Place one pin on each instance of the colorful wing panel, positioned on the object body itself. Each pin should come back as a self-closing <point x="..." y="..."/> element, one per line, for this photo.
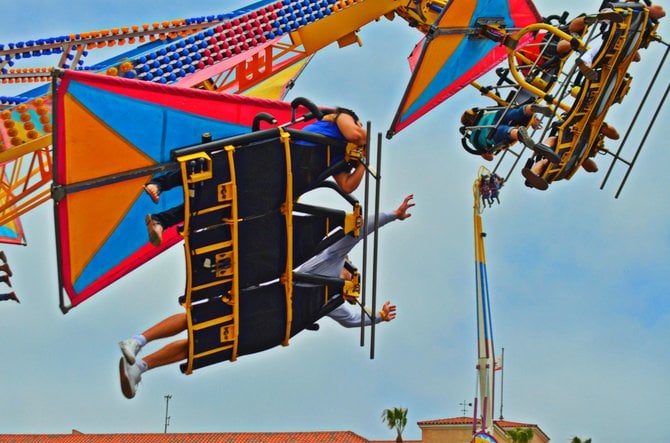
<point x="111" y="136"/>
<point x="450" y="58"/>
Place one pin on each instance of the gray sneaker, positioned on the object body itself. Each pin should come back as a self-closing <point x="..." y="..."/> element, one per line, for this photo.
<point x="539" y="148"/>
<point x="129" y="349"/>
<point x="606" y="14"/>
<point x="544" y="110"/>
<point x="586" y="70"/>
<point x="525" y="138"/>
<point x="155" y="230"/>
<point x="130" y="376"/>
<point x="547" y="152"/>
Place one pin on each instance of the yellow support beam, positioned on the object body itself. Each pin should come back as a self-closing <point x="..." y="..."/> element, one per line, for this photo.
<point x="341" y="23"/>
<point x="287" y="210"/>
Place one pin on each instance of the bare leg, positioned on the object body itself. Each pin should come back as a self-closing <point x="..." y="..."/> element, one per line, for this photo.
<point x="172" y="352"/>
<point x="539" y="166"/>
<point x="168" y="354"/>
<point x="172" y="325"/>
<point x="131" y="369"/>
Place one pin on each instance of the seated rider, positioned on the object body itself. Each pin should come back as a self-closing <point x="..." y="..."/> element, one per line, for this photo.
<point x="494" y="130"/>
<point x="329" y="263"/>
<point x="484" y="189"/>
<point x="608" y="16"/>
<point x="533" y="174"/>
<point x="495" y="183"/>
<point x="343" y="124"/>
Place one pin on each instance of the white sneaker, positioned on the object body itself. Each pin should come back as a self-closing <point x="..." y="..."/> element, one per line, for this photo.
<point x="129" y="349"/>
<point x="130" y="376"/>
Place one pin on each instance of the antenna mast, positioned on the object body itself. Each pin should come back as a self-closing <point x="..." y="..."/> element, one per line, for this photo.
<point x="167" y="417"/>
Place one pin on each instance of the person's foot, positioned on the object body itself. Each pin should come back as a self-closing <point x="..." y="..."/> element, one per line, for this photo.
<point x="609" y="131"/>
<point x="547" y="152"/>
<point x="609" y="14"/>
<point x="524" y="138"/>
<point x="590" y="165"/>
<point x="5" y="279"/>
<point x="488" y="156"/>
<point x="539" y="148"/>
<point x="130" y="376"/>
<point x="586" y="70"/>
<point x="129" y="349"/>
<point x="5" y="268"/>
<point x="606" y="14"/>
<point x="544" y="110"/>
<point x="155" y="230"/>
<point x="153" y="191"/>
<point x="533" y="180"/>
<point x="3" y="257"/>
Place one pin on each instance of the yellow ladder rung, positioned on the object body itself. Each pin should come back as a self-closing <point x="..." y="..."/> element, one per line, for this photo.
<point x="214" y="322"/>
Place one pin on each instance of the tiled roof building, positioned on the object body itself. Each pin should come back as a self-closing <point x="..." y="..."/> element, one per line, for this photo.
<point x="211" y="437"/>
<point x="444" y="430"/>
<point x="459" y="430"/>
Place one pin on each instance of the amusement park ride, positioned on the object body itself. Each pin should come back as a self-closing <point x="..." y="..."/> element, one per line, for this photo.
<point x="204" y="87"/>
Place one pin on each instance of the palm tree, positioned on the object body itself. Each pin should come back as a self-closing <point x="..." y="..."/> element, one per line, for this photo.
<point x="521" y="435"/>
<point x="579" y="440"/>
<point x="395" y="418"/>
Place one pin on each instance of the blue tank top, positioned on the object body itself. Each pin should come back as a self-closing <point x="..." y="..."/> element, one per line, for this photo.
<point x="327" y="128"/>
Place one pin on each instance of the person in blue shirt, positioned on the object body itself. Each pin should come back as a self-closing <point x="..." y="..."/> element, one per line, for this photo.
<point x="343" y="124"/>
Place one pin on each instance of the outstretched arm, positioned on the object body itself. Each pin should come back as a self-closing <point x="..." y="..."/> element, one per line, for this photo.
<point x="330" y="260"/>
<point x="350" y="317"/>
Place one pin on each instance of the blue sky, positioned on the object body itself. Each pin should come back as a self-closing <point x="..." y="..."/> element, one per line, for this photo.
<point x="578" y="283"/>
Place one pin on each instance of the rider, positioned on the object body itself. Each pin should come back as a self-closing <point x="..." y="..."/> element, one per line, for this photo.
<point x="494" y="130"/>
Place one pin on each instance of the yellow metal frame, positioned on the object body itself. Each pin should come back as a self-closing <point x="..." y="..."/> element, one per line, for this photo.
<point x="287" y="210"/>
<point x="345" y="20"/>
<point x="354" y="222"/>
<point x="227" y="197"/>
<point x="351" y="291"/>
<point x="18" y="183"/>
<point x="511" y="54"/>
<point x="584" y="106"/>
